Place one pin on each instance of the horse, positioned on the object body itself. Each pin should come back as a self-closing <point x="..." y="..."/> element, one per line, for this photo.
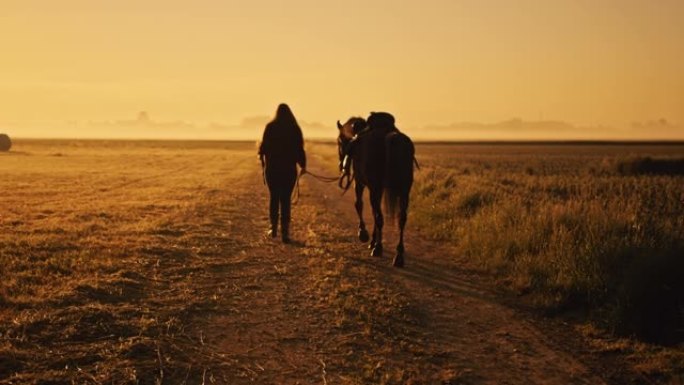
<point x="375" y="154"/>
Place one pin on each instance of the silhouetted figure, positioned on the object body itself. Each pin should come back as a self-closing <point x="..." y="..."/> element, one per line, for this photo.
<point x="381" y="158"/>
<point x="281" y="149"/>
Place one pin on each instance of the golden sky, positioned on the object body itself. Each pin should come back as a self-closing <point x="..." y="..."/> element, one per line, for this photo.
<point x="430" y="62"/>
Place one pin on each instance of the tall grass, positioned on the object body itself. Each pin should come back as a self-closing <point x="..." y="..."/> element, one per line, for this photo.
<point x="563" y="224"/>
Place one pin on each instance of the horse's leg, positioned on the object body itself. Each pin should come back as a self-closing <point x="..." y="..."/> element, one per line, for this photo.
<point x="363" y="233"/>
<point x="376" y="201"/>
<point x="403" y="213"/>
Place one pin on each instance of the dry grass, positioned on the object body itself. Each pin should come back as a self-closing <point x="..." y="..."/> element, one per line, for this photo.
<point x="144" y="263"/>
<point x="566" y="226"/>
<point x="96" y="248"/>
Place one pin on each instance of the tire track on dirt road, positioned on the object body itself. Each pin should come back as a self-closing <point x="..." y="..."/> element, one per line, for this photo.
<point x="465" y="334"/>
<point x="199" y="294"/>
<point x="323" y="311"/>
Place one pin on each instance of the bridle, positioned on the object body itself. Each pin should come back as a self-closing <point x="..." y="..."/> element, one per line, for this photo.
<point x="346" y="176"/>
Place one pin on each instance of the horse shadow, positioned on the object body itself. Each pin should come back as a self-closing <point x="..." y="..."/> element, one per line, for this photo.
<point x="436" y="276"/>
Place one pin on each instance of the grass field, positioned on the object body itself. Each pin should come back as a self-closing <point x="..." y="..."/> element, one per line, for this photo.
<point x="145" y="262"/>
<point x="95" y="253"/>
<point x="570" y="225"/>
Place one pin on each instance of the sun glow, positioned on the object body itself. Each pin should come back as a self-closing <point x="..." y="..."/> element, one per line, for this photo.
<point x="609" y="69"/>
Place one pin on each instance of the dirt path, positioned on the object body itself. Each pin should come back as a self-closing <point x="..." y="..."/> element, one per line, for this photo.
<point x="323" y="311"/>
<point x="156" y="273"/>
<point x="163" y="274"/>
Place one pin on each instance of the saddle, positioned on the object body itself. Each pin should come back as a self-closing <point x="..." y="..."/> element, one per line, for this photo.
<point x="350" y="148"/>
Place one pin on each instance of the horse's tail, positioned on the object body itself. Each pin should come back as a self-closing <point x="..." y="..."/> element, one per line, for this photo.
<point x="400" y="155"/>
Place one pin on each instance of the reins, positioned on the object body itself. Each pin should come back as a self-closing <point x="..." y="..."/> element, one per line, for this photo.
<point x="341" y="183"/>
<point x="294" y="198"/>
<point x="324" y="179"/>
<point x="349" y="177"/>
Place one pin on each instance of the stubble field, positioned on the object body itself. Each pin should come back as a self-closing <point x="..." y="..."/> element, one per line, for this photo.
<point x="147" y="262"/>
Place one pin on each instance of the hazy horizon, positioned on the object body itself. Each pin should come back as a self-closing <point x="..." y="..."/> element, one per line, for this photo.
<point x="564" y="69"/>
<point x="145" y="126"/>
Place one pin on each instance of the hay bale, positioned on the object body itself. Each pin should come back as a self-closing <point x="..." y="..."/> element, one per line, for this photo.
<point x="5" y="142"/>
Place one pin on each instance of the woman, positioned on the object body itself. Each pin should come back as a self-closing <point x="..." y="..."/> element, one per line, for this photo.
<point x="281" y="149"/>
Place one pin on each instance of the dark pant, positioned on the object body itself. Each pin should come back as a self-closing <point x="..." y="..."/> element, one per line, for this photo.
<point x="281" y="191"/>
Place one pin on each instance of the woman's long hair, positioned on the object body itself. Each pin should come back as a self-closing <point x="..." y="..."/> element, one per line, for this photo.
<point x="282" y="134"/>
<point x="285" y="121"/>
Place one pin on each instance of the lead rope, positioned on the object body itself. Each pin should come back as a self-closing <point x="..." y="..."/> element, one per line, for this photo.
<point x="294" y="197"/>
<point x="324" y="179"/>
<point x="349" y="177"/>
<point x="263" y="169"/>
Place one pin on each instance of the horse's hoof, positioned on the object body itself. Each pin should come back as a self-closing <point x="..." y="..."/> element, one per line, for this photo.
<point x="377" y="251"/>
<point x="398" y="261"/>
<point x="363" y="235"/>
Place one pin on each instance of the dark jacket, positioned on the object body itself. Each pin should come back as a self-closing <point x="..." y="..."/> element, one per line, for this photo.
<point x="282" y="148"/>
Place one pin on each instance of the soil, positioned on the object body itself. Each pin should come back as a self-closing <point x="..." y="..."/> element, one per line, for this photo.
<point x="173" y="280"/>
<point x="322" y="310"/>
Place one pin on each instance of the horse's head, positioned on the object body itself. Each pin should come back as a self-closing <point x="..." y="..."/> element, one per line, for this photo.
<point x="347" y="131"/>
